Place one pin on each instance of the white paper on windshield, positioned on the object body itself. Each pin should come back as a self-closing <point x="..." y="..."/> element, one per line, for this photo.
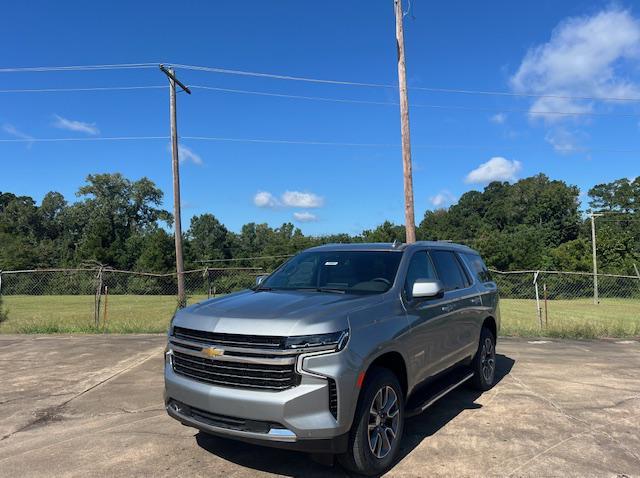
<point x="331" y="263"/>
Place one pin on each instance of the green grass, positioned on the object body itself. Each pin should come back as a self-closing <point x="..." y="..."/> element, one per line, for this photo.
<point x="150" y="314"/>
<point x="576" y="318"/>
<point x="57" y="314"/>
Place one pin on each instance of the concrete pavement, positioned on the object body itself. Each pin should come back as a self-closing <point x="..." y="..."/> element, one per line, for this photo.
<point x="92" y="405"/>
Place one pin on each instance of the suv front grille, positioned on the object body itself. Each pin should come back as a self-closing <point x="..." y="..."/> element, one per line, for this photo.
<point x="261" y="376"/>
<point x="229" y="340"/>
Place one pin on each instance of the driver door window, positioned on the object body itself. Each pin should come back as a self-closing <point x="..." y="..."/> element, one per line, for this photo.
<point x="420" y="267"/>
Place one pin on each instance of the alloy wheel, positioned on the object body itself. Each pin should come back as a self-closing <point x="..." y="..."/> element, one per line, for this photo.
<point x="488" y="360"/>
<point x="384" y="419"/>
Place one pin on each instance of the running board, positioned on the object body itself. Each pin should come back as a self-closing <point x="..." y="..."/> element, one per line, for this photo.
<point x="436" y="391"/>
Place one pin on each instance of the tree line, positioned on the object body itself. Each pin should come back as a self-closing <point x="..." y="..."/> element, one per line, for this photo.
<point x="534" y="223"/>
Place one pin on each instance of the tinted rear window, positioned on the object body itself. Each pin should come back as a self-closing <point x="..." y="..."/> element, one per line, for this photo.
<point x="478" y="267"/>
<point x="449" y="270"/>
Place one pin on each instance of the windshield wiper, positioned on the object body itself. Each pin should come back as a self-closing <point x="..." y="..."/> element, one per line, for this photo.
<point x="323" y="289"/>
<point x="262" y="289"/>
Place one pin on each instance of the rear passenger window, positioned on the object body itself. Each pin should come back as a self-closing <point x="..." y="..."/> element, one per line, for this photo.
<point x="420" y="267"/>
<point x="449" y="270"/>
<point x="477" y="265"/>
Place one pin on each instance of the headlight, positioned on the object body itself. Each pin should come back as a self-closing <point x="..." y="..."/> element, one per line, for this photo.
<point x="170" y="331"/>
<point x="333" y="341"/>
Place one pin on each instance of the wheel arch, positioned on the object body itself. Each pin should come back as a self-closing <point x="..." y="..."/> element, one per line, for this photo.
<point x="491" y="324"/>
<point x="394" y="361"/>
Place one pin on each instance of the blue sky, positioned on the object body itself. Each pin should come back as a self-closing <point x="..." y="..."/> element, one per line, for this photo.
<point x="569" y="48"/>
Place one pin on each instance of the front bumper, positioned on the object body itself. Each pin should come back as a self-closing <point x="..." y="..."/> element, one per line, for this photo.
<point x="275" y="437"/>
<point x="297" y="418"/>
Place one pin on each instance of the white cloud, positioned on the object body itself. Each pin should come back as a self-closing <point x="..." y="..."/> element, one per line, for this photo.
<point x="73" y="125"/>
<point x="442" y="199"/>
<point x="564" y="141"/>
<point x="584" y="57"/>
<point x="498" y="118"/>
<point x="496" y="169"/>
<point x="265" y="199"/>
<point x="13" y="131"/>
<point x="288" y="199"/>
<point x="304" y="216"/>
<point x="186" y="154"/>
<point x="298" y="199"/>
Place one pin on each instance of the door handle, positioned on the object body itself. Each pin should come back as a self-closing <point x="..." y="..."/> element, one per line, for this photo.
<point x="476" y="300"/>
<point x="447" y="308"/>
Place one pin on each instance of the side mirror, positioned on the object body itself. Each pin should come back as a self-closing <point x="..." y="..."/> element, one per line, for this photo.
<point x="261" y="278"/>
<point x="427" y="288"/>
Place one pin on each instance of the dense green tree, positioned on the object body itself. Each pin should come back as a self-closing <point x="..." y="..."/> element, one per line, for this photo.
<point x="385" y="232"/>
<point x="622" y="195"/>
<point x="618" y="230"/>
<point x="534" y="223"/>
<point x="114" y="209"/>
<point x="157" y="252"/>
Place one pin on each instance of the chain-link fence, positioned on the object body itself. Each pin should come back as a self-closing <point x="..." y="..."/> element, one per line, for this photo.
<point x="96" y="299"/>
<point x="103" y="299"/>
<point x="561" y="302"/>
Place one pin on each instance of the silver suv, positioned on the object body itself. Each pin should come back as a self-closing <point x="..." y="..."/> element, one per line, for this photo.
<point x="330" y="353"/>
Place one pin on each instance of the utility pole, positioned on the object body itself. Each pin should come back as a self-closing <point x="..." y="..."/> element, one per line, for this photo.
<point x="595" y="260"/>
<point x="177" y="221"/>
<point x="410" y="224"/>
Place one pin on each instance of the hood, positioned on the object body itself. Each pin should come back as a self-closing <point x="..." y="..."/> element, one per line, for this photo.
<point x="283" y="313"/>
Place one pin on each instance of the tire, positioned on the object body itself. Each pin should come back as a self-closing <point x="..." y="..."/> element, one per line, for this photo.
<point x="368" y="452"/>
<point x="484" y="362"/>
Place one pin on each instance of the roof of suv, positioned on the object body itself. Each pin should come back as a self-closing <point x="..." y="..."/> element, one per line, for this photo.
<point x="388" y="246"/>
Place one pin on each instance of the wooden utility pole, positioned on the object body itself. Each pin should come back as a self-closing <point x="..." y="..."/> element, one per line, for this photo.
<point x="595" y="259"/>
<point x="177" y="221"/>
<point x="410" y="224"/>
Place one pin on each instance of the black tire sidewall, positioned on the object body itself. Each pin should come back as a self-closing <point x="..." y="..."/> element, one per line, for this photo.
<point x="478" y="379"/>
<point x="362" y="457"/>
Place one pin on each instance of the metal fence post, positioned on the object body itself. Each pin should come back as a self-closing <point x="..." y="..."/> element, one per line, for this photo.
<point x="206" y="271"/>
<point x="96" y="309"/>
<point x="538" y="309"/>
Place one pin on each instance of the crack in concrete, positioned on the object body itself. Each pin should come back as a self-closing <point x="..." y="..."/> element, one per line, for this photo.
<point x="54" y="413"/>
<point x="590" y="428"/>
<point x="80" y="435"/>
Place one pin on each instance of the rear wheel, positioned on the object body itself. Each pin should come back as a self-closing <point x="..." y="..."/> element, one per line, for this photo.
<point x="484" y="362"/>
<point x="374" y="440"/>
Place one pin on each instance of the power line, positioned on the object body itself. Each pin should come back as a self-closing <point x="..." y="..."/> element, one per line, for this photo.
<point x="319" y="98"/>
<point x="302" y="142"/>
<point x="618" y="220"/>
<point x="418" y="105"/>
<point x="227" y="71"/>
<point x="98" y="88"/>
<point x="297" y="97"/>
<point x="119" y="66"/>
<point x="103" y="138"/>
<point x="281" y="256"/>
<point x="382" y="85"/>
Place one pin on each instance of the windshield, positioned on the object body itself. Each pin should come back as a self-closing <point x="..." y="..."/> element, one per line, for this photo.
<point x="364" y="272"/>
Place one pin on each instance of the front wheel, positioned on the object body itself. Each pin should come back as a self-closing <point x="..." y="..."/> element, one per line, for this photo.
<point x="374" y="440"/>
<point x="484" y="362"/>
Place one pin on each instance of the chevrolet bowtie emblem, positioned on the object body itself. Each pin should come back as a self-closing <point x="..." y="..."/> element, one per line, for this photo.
<point x="213" y="352"/>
